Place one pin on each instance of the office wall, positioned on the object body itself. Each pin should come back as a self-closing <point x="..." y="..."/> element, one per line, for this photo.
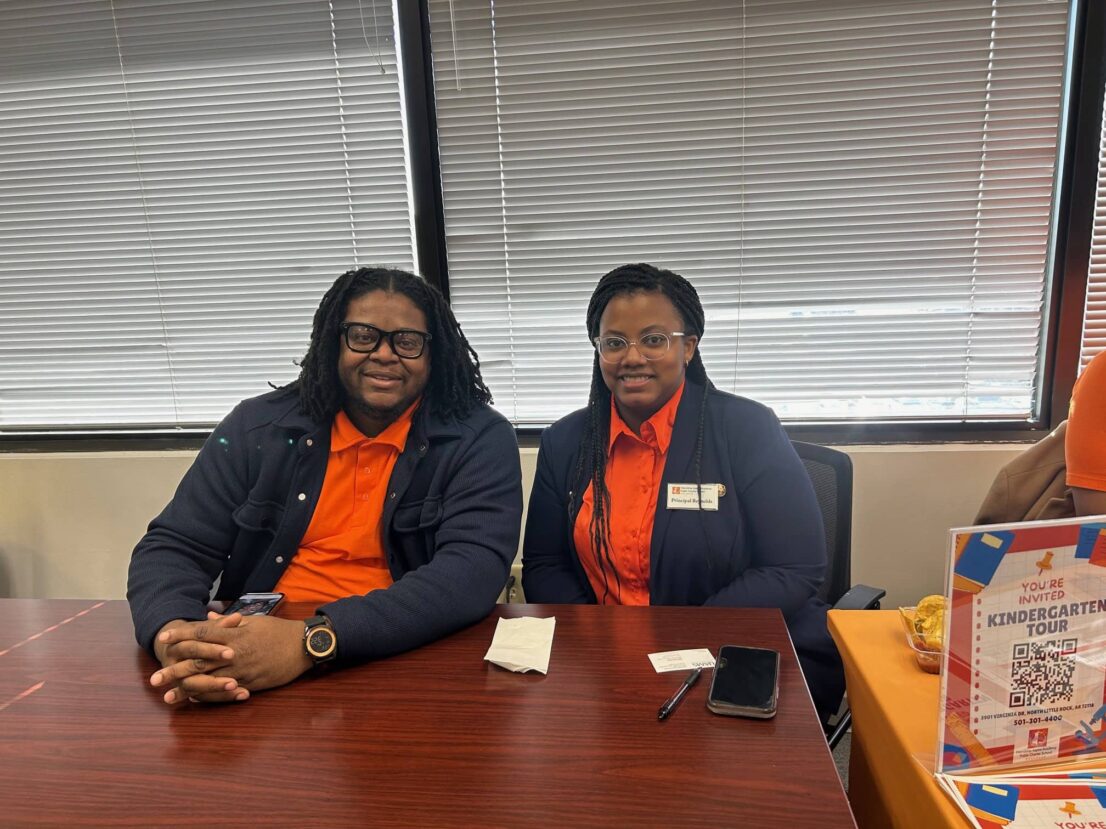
<point x="68" y="521"/>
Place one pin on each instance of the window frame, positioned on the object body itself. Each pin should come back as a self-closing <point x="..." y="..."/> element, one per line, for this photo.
<point x="1068" y="261"/>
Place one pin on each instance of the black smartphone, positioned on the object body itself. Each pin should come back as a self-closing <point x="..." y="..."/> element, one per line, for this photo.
<point x="746" y="682"/>
<point x="254" y="604"/>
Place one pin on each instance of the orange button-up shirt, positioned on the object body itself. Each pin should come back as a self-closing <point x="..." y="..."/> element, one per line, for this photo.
<point x="342" y="552"/>
<point x="635" y="465"/>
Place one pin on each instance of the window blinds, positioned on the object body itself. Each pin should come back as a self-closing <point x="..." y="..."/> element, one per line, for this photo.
<point x="860" y="190"/>
<point x="1094" y="321"/>
<point x="179" y="183"/>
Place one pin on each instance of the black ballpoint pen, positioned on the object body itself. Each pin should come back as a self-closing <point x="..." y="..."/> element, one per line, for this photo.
<point x="674" y="700"/>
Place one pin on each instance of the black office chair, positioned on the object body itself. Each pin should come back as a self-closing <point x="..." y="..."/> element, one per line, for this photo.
<point x="831" y="473"/>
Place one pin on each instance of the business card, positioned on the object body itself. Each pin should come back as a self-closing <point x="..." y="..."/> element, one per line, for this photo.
<point x="687" y="660"/>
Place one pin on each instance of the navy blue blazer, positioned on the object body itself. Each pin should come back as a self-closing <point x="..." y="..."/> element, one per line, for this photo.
<point x="763" y="547"/>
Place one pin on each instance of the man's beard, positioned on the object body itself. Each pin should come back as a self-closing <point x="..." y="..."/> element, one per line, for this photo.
<point x="377" y="413"/>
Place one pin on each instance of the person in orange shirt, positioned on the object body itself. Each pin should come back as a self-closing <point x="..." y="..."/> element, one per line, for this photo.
<point x="380" y="485"/>
<point x="1085" y="443"/>
<point x="676" y="492"/>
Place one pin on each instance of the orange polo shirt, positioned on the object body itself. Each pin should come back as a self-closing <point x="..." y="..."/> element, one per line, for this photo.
<point x="635" y="465"/>
<point x="1085" y="443"/>
<point x="342" y="552"/>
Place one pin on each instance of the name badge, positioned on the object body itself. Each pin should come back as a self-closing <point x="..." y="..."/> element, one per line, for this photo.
<point x="686" y="496"/>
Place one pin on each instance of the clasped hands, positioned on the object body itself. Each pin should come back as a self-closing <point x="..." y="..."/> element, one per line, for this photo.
<point x="225" y="658"/>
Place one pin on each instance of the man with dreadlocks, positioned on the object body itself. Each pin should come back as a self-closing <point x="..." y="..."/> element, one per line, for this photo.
<point x="665" y="490"/>
<point x="379" y="485"/>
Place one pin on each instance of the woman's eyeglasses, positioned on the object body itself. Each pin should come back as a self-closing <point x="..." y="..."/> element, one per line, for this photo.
<point x="651" y="346"/>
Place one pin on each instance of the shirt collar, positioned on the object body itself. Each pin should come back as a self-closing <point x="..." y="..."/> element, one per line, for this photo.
<point x="343" y="434"/>
<point x="656" y="431"/>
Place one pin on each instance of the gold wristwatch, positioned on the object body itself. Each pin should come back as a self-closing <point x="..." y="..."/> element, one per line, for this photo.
<point x="319" y="640"/>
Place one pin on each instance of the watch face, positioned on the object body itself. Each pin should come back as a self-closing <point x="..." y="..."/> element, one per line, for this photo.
<point x="320" y="642"/>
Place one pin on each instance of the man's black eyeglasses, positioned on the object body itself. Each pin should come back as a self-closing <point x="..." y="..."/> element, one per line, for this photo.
<point x="365" y="339"/>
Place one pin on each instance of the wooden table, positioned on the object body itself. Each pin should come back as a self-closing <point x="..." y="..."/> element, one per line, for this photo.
<point x="435" y="737"/>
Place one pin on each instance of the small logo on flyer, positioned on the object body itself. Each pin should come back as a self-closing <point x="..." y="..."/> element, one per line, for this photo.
<point x="1038" y="738"/>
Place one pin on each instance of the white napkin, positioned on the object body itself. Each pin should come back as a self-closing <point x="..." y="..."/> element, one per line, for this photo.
<point x="522" y="644"/>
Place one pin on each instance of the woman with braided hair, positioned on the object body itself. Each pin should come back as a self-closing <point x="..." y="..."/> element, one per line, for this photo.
<point x="667" y="491"/>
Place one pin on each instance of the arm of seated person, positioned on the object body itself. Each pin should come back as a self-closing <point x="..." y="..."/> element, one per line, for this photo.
<point x="175" y="564"/>
<point x="784" y="533"/>
<point x="1089" y="501"/>
<point x="549" y="569"/>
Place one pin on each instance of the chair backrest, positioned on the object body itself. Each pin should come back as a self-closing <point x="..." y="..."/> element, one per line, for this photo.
<point x="831" y="473"/>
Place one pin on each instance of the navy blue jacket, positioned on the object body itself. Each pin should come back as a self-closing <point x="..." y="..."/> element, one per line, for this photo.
<point x="763" y="547"/>
<point x="451" y="520"/>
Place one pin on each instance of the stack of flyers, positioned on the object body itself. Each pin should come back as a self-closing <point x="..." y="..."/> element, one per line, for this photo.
<point x="1068" y="800"/>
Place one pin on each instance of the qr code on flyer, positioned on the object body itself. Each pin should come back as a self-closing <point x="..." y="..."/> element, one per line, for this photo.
<point x="1042" y="672"/>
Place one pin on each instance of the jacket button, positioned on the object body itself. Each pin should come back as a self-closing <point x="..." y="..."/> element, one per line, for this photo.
<point x="310" y="442"/>
<point x="422" y="448"/>
<point x="280" y="559"/>
<point x="302" y="496"/>
<point x="391" y="495"/>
